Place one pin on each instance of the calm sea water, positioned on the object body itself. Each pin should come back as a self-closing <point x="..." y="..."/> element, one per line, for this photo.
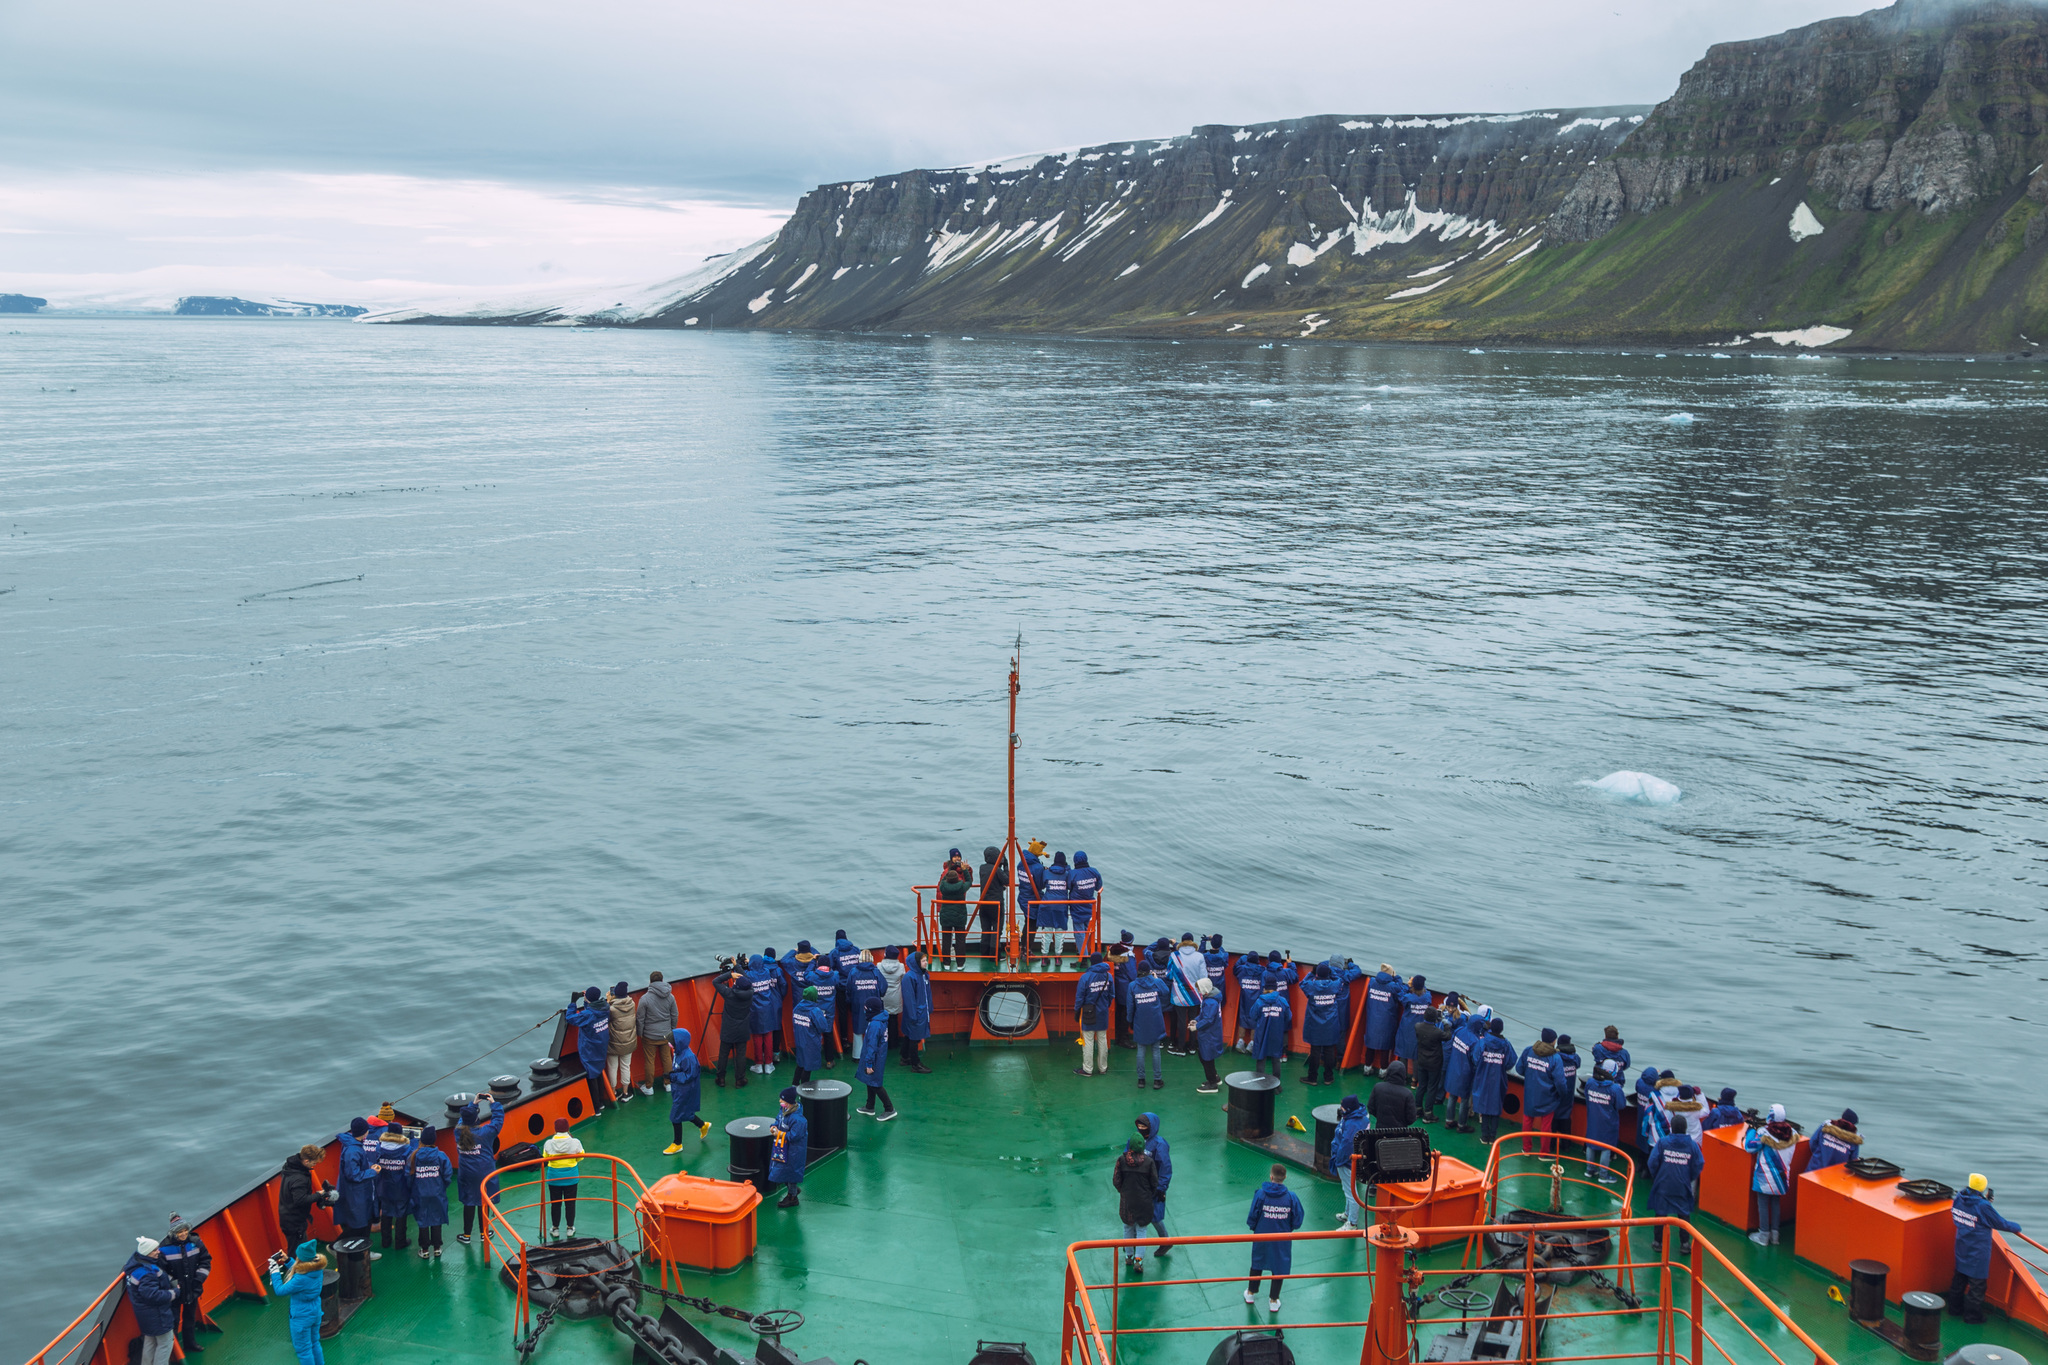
<point x="627" y="649"/>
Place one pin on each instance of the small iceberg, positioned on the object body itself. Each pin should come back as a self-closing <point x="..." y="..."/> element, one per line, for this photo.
<point x="1639" y="788"/>
<point x="1680" y="419"/>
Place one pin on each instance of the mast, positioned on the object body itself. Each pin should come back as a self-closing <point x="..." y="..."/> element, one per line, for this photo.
<point x="1012" y="853"/>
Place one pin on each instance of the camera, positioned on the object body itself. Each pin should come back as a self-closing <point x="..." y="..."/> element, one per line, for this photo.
<point x="278" y="1261"/>
<point x="330" y="1196"/>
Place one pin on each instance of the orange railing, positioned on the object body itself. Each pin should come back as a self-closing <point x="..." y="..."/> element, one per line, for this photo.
<point x="1553" y="1171"/>
<point x="1680" y="1306"/>
<point x="509" y="1247"/>
<point x="83" y="1332"/>
<point x="1014" y="938"/>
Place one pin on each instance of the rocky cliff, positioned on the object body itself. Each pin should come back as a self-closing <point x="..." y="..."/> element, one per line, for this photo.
<point x="212" y="306"/>
<point x="1872" y="181"/>
<point x="21" y="303"/>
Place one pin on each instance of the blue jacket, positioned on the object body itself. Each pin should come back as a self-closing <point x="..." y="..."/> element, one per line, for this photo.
<point x="394" y="1181"/>
<point x="1162" y="1160"/>
<point x="1219" y="968"/>
<point x="1209" y="1029"/>
<point x="431" y="1174"/>
<point x="809" y="1024"/>
<point x="916" y="989"/>
<point x="792" y="1147"/>
<point x="1674" y="1166"/>
<point x="1145" y="999"/>
<point x="1604" y="1103"/>
<point x="874" y="1052"/>
<point x="1328" y="1000"/>
<point x="357" y="1207"/>
<point x="1250" y="971"/>
<point x="153" y="1294"/>
<point x="1458" y="1053"/>
<point x="1275" y="1208"/>
<point x="1092" y="996"/>
<point x="844" y="957"/>
<point x="862" y="984"/>
<point x="1721" y="1116"/>
<point x="1491" y="1063"/>
<point x="686" y="1078"/>
<point x="593" y="1025"/>
<point x="1055" y="884"/>
<point x="473" y="1168"/>
<point x="1082" y="889"/>
<point x="1031" y="888"/>
<point x="1413" y="1005"/>
<point x="1832" y="1146"/>
<point x="1602" y="1051"/>
<point x="1542" y="1081"/>
<point x="825" y="980"/>
<point x="303" y="1292"/>
<point x="766" y="1013"/>
<point x="1975" y="1220"/>
<point x="1275" y="1016"/>
<point x="1382" y="1010"/>
<point x="1345" y="1140"/>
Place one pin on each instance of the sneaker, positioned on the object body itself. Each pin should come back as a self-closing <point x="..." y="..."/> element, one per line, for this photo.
<point x="462" y="1237"/>
<point x="1133" y="1264"/>
<point x="1250" y="1297"/>
<point x="646" y="1089"/>
<point x="1272" y="1305"/>
<point x="1141" y="1082"/>
<point x="672" y="1149"/>
<point x="437" y="1253"/>
<point x="1343" y="1218"/>
<point x="376" y="1255"/>
<point x="1761" y="1238"/>
<point x="426" y="1253"/>
<point x="885" y="1116"/>
<point x="867" y="1109"/>
<point x="704" y="1129"/>
<point x="788" y="1201"/>
<point x="1207" y="1089"/>
<point x="721" y="1082"/>
<point x="1164" y="1247"/>
<point x="1774" y="1236"/>
<point x="1082" y="1071"/>
<point x="1158" y="1084"/>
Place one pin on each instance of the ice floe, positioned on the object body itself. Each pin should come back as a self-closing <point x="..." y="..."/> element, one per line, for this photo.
<point x="1638" y="788"/>
<point x="1680" y="419"/>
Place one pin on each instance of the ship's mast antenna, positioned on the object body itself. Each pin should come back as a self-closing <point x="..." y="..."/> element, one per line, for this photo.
<point x="1012" y="853"/>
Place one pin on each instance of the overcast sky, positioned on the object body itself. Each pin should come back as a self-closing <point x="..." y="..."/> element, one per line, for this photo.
<point x="376" y="152"/>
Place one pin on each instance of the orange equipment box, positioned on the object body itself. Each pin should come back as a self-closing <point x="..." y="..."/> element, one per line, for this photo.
<point x="1454" y="1202"/>
<point x="702" y="1223"/>
<point x="1724" y="1185"/>
<point x="1845" y="1219"/>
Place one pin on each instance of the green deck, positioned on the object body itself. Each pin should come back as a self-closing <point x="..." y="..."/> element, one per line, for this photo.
<point x="951" y="1223"/>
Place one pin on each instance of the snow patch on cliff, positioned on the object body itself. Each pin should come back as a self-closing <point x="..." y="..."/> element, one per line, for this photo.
<point x="1419" y="289"/>
<point x="1256" y="271"/>
<point x="1211" y="216"/>
<point x="614" y="303"/>
<point x="1804" y="224"/>
<point x="1820" y="334"/>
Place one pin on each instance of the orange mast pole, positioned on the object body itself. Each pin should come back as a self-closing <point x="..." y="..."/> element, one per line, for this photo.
<point x="1012" y="853"/>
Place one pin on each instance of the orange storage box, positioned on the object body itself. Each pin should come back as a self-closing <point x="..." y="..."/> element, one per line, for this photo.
<point x="702" y="1224"/>
<point x="1454" y="1203"/>
<point x="1844" y="1218"/>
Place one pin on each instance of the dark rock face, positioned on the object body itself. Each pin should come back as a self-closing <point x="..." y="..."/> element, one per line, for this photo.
<point x="1928" y="103"/>
<point x="207" y="306"/>
<point x="1224" y="221"/>
<point x="21" y="303"/>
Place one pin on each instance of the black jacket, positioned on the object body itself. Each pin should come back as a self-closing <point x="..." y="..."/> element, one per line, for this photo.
<point x="295" y="1193"/>
<point x="739" y="1009"/>
<point x="1136" y="1178"/>
<point x="1429" y="1042"/>
<point x="1392" y="1105"/>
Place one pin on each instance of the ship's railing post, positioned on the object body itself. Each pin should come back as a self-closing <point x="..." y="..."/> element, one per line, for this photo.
<point x="1698" y="1303"/>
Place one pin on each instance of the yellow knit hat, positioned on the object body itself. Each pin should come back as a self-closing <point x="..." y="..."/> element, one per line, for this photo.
<point x="1979" y="1183"/>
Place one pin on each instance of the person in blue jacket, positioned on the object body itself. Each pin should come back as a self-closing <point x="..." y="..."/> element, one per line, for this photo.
<point x="792" y="1148"/>
<point x="153" y="1297"/>
<point x="1145" y="1002"/>
<point x="1491" y="1064"/>
<point x="429" y="1171"/>
<point x="1351" y="1121"/>
<point x="476" y="1157"/>
<point x="1724" y="1114"/>
<point x="1674" y="1169"/>
<point x="356" y="1210"/>
<point x="301" y="1288"/>
<point x="765" y="1014"/>
<point x="592" y="1019"/>
<point x="1049" y="919"/>
<point x="394" y="1185"/>
<point x="1542" y="1089"/>
<point x="1975" y="1221"/>
<point x="916" y="1019"/>
<point x="1458" y="1057"/>
<point x="1082" y="889"/>
<point x="1209" y="1035"/>
<point x="1275" y="1018"/>
<point x="1250" y="972"/>
<point x="1030" y="888"/>
<point x="1161" y="1153"/>
<point x="823" y="978"/>
<point x="1383" y="1007"/>
<point x="686" y="1080"/>
<point x="1123" y="970"/>
<point x="1326" y="1001"/>
<point x="860" y="985"/>
<point x="842" y="960"/>
<point x="1216" y="961"/>
<point x="1094" y="995"/>
<point x="874" y="1059"/>
<point x="1415" y="999"/>
<point x="1835" y="1143"/>
<point x="812" y="1027"/>
<point x="1275" y="1208"/>
<point x="1604" y="1101"/>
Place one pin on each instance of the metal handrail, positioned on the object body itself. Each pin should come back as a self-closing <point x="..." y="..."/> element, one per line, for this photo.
<point x="42" y="1357"/>
<point x="651" y="1240"/>
<point x="1082" y="1326"/>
